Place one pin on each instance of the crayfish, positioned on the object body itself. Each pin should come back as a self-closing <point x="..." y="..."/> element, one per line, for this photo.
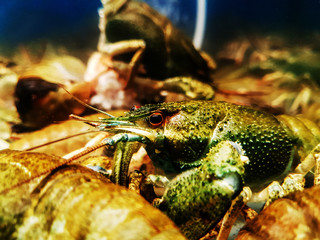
<point x="218" y="152"/>
<point x="131" y="31"/>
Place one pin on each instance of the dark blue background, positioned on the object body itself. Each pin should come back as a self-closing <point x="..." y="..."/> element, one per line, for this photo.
<point x="294" y="19"/>
<point x="74" y="22"/>
<point x="71" y="21"/>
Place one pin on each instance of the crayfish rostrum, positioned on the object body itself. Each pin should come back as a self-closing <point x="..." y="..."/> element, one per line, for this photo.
<point x="216" y="150"/>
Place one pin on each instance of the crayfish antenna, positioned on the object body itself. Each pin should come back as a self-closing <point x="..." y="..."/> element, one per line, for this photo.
<point x="59" y="140"/>
<point x="93" y="123"/>
<point x="85" y="104"/>
<point x="91" y="146"/>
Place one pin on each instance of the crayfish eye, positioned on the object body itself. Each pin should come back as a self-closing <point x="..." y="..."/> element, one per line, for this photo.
<point x="156" y="119"/>
<point x="135" y="107"/>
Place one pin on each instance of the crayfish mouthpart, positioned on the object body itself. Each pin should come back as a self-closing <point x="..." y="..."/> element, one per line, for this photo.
<point x="150" y="135"/>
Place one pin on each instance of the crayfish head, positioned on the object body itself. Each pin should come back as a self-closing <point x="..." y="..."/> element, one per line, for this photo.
<point x="175" y="134"/>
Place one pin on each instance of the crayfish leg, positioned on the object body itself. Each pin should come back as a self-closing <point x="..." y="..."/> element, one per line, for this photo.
<point x="121" y="161"/>
<point x="137" y="46"/>
<point x="309" y="161"/>
<point x="134" y="66"/>
<point x="316" y="155"/>
<point x="317" y="170"/>
<point x="234" y="211"/>
<point x="121" y="47"/>
<point x="292" y="183"/>
<point x="91" y="146"/>
<point x="248" y="213"/>
<point x="296" y="180"/>
<point x="198" y="199"/>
